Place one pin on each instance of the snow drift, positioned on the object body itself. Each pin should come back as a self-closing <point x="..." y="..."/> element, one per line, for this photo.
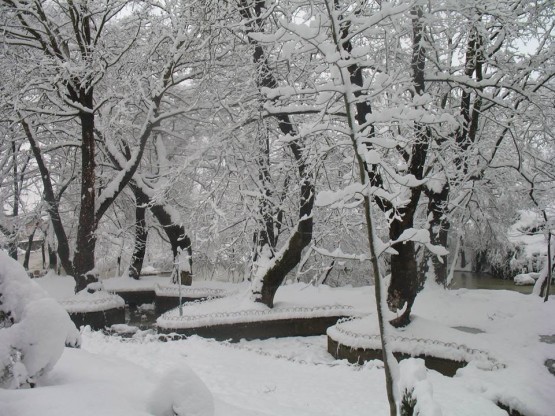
<point x="34" y="328"/>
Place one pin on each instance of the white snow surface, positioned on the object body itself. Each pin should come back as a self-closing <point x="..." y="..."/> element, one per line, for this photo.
<point x="111" y="375"/>
<point x="62" y="289"/>
<point x="506" y="359"/>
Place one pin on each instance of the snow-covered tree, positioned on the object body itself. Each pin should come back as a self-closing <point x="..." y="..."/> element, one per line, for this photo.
<point x="86" y="85"/>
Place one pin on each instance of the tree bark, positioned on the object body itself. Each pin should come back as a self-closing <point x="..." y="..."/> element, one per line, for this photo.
<point x="288" y="258"/>
<point x="52" y="258"/>
<point x="83" y="261"/>
<point x="404" y="283"/>
<point x="464" y="138"/>
<point x="12" y="245"/>
<point x="43" y="253"/>
<point x="141" y="234"/>
<point x="290" y="255"/>
<point x="439" y="232"/>
<point x="51" y="201"/>
<point x="28" y="249"/>
<point x="179" y="240"/>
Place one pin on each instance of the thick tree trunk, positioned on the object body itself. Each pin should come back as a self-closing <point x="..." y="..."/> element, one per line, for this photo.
<point x="404" y="284"/>
<point x="83" y="261"/>
<point x="28" y="249"/>
<point x="43" y="253"/>
<point x="52" y="258"/>
<point x="439" y="232"/>
<point x="290" y="255"/>
<point x="141" y="234"/>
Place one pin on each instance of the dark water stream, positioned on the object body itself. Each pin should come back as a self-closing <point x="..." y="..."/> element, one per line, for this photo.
<point x="472" y="280"/>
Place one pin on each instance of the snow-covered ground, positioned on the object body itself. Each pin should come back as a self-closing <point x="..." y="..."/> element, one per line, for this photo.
<point x="296" y="376"/>
<point x="110" y="376"/>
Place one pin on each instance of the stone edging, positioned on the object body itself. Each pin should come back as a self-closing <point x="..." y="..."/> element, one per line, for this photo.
<point x="364" y="347"/>
<point x="174" y="322"/>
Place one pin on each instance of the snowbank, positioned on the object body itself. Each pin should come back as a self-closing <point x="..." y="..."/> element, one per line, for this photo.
<point x="88" y="384"/>
<point x="36" y="328"/>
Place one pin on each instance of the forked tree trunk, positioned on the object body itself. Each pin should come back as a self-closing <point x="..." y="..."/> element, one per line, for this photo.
<point x="179" y="240"/>
<point x="290" y="255"/>
<point x="52" y="203"/>
<point x="464" y="138"/>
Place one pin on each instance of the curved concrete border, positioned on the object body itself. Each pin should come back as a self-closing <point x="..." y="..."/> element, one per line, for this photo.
<point x="292" y="327"/>
<point x="361" y="355"/>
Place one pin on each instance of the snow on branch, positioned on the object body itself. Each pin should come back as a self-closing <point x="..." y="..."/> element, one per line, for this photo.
<point x="338" y="254"/>
<point x="420" y="236"/>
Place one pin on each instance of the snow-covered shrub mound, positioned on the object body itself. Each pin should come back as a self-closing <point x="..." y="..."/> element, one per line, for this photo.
<point x="416" y="389"/>
<point x="524" y="279"/>
<point x="182" y="393"/>
<point x="35" y="329"/>
<point x="527" y="237"/>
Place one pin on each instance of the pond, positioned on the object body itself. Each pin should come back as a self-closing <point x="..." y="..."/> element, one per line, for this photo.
<point x="473" y="280"/>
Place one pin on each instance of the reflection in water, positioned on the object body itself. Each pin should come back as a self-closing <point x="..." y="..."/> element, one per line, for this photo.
<point x="472" y="280"/>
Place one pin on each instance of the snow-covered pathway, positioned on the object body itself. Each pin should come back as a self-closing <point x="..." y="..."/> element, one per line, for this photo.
<point x="285" y="377"/>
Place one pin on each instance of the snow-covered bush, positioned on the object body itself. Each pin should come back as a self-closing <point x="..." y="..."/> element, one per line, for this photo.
<point x="35" y="327"/>
<point x="416" y="389"/>
<point x="182" y="393"/>
<point x="528" y="239"/>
